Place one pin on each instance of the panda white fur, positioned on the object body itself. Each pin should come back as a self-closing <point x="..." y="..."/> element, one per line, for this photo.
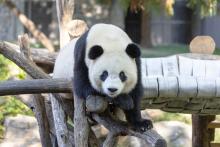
<point x="104" y="61"/>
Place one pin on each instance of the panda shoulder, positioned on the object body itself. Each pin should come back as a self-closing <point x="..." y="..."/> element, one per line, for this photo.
<point x="64" y="62"/>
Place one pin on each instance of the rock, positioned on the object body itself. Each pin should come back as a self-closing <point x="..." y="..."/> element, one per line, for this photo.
<point x="21" y="131"/>
<point x="177" y="134"/>
<point x="130" y="141"/>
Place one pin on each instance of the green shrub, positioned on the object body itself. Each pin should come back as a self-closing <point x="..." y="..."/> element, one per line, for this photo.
<point x="4" y="70"/>
<point x="10" y="106"/>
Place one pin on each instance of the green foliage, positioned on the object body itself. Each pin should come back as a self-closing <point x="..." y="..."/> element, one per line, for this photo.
<point x="205" y="7"/>
<point x="10" y="106"/>
<point x="4" y="70"/>
<point x="153" y="6"/>
<point x="125" y="4"/>
<point x="103" y="1"/>
<point x="5" y="67"/>
<point x="36" y="45"/>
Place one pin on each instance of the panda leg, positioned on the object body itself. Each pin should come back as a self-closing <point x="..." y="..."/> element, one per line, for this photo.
<point x="133" y="117"/>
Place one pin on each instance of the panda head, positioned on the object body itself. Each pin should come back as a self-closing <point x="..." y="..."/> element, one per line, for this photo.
<point x="113" y="73"/>
<point x="110" y="58"/>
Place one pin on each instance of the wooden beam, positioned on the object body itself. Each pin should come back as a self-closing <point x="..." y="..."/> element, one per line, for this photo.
<point x="215" y="144"/>
<point x="214" y="124"/>
<point x="201" y="135"/>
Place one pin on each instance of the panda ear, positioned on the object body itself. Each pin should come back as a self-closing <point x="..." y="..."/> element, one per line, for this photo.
<point x="133" y="50"/>
<point x="95" y="52"/>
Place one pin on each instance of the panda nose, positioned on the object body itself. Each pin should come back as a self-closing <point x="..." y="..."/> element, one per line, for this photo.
<point x="112" y="89"/>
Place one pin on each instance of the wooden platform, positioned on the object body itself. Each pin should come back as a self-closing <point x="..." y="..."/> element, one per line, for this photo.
<point x="182" y="84"/>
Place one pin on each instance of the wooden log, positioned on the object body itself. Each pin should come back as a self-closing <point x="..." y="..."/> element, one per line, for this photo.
<point x="214" y="124"/>
<point x="202" y="44"/>
<point x="42" y="119"/>
<point x="35" y="86"/>
<point x="81" y="125"/>
<point x="61" y="129"/>
<point x="51" y="120"/>
<point x="215" y="144"/>
<point x="151" y="137"/>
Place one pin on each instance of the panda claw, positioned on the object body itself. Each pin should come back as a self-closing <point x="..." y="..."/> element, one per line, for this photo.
<point x="144" y="125"/>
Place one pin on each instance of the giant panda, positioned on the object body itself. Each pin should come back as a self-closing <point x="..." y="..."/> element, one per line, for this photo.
<point x="105" y="62"/>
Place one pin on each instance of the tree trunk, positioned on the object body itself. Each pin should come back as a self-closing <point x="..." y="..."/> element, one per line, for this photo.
<point x="65" y="10"/>
<point x="146" y="30"/>
<point x="133" y="25"/>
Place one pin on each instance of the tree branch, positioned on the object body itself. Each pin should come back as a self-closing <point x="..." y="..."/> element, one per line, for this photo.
<point x="25" y="64"/>
<point x="38" y="100"/>
<point x="38" y="55"/>
<point x="110" y="140"/>
<point x="116" y="128"/>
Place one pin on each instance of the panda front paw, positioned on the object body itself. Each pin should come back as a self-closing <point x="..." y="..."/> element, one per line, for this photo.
<point x="143" y="125"/>
<point x="124" y="102"/>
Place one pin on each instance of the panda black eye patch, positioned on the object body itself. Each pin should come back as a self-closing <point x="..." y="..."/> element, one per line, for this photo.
<point x="104" y="75"/>
<point x="133" y="50"/>
<point x="95" y="52"/>
<point x="122" y="76"/>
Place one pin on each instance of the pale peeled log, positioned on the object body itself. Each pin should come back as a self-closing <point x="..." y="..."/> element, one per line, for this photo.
<point x="202" y="45"/>
<point x="76" y="28"/>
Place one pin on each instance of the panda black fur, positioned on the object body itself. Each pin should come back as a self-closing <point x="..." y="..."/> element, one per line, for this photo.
<point x="107" y="63"/>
